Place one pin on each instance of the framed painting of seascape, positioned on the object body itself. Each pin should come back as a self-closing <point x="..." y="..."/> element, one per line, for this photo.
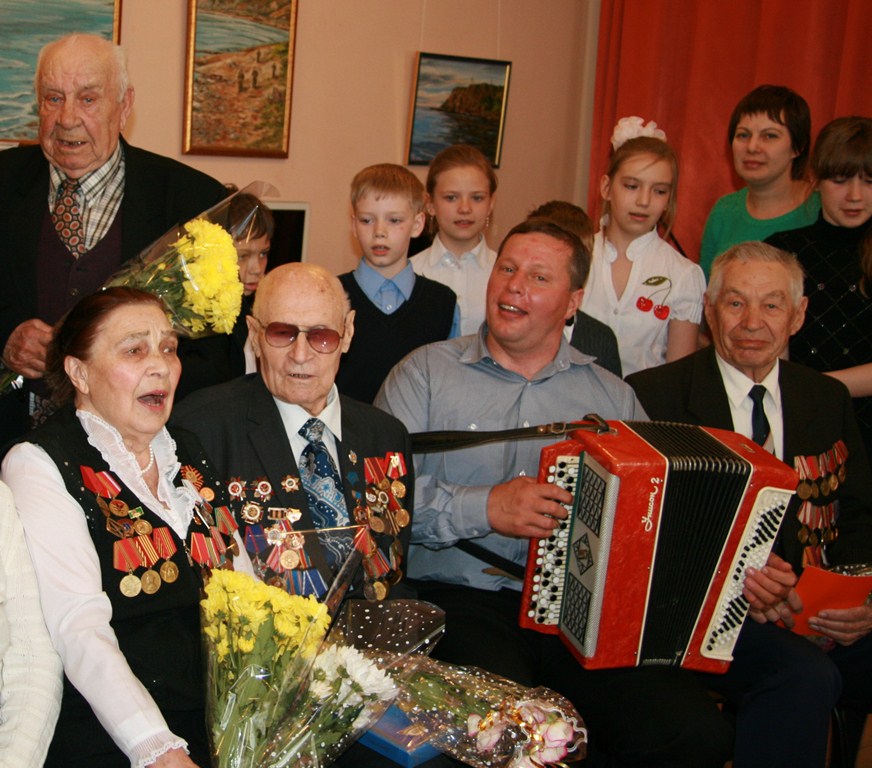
<point x="26" y="26"/>
<point x="239" y="73"/>
<point x="458" y="100"/>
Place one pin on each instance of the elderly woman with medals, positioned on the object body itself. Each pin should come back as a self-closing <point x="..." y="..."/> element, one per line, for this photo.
<point x="123" y="520"/>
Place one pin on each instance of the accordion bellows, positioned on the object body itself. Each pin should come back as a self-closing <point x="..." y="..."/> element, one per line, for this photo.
<point x="649" y="566"/>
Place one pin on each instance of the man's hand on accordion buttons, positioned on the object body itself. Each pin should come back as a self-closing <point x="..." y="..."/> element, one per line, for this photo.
<point x="524" y="508"/>
<point x="770" y="592"/>
<point x="844" y="625"/>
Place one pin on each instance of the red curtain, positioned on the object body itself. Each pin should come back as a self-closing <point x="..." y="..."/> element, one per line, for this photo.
<point x="685" y="64"/>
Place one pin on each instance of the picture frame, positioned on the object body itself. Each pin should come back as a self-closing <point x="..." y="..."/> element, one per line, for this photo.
<point x="457" y="100"/>
<point x="239" y="77"/>
<point x="25" y="27"/>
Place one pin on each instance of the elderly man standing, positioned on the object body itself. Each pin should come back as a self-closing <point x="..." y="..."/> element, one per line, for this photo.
<point x="519" y="371"/>
<point x="78" y="205"/>
<point x="782" y="686"/>
<point x="295" y="453"/>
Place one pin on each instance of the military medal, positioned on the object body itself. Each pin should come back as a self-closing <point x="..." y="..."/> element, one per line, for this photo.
<point x="236" y="489"/>
<point x="289" y="559"/>
<point x="263" y="489"/>
<point x="125" y="557"/>
<point x="150" y="582"/>
<point x="376" y="522"/>
<point x="251" y="512"/>
<point x="207" y="494"/>
<point x="193" y="476"/>
<point x="118" y="508"/>
<point x="142" y="527"/>
<point x="130" y="585"/>
<point x="290" y="484"/>
<point x="169" y="571"/>
<point x="402" y="517"/>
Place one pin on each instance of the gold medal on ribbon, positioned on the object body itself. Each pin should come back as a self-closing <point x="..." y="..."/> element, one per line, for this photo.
<point x="402" y="517"/>
<point x="208" y="494"/>
<point x="150" y="582"/>
<point x="376" y="523"/>
<point x="398" y="489"/>
<point x="142" y="527"/>
<point x="169" y="571"/>
<point x="289" y="559"/>
<point x="130" y="585"/>
<point x="803" y="490"/>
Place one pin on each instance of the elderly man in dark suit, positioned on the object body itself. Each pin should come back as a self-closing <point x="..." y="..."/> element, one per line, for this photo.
<point x="782" y="685"/>
<point x="78" y="205"/>
<point x="252" y="428"/>
<point x="300" y="325"/>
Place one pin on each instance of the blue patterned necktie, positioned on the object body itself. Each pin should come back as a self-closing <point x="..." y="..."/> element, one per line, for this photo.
<point x="324" y="492"/>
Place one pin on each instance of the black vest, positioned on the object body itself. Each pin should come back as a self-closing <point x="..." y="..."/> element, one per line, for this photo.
<point x="62" y="280"/>
<point x="381" y="341"/>
<point x="159" y="634"/>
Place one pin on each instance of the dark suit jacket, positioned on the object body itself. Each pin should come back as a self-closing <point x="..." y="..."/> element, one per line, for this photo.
<point x="595" y="338"/>
<point x="241" y="430"/>
<point x="817" y="412"/>
<point x="158" y="194"/>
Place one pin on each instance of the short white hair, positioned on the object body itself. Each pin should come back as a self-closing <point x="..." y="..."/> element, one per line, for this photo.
<point x="757" y="251"/>
<point x="119" y="58"/>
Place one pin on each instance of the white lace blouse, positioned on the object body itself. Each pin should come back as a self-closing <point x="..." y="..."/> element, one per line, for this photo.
<point x="77" y="611"/>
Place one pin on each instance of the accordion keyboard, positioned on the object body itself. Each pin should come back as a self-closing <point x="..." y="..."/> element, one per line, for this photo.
<point x="551" y="553"/>
<point x="732" y="606"/>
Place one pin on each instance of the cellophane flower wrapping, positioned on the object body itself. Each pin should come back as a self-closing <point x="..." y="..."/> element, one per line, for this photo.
<point x="194" y="267"/>
<point x="260" y="644"/>
<point x="371" y="650"/>
<point x="488" y="721"/>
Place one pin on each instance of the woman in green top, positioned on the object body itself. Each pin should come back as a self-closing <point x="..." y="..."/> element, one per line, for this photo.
<point x="770" y="134"/>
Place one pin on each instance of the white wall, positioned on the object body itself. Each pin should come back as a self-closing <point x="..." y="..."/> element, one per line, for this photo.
<point x="353" y="80"/>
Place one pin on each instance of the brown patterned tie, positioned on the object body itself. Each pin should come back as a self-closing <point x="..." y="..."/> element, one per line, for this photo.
<point x="67" y="218"/>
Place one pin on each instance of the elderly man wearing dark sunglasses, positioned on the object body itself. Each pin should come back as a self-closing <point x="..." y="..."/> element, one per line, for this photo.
<point x="257" y="430"/>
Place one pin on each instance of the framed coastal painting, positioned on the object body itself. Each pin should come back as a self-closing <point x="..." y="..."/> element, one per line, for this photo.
<point x="25" y="27"/>
<point x="458" y="100"/>
<point x="239" y="73"/>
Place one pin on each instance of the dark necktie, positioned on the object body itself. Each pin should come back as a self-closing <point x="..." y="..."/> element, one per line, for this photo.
<point x="67" y="218"/>
<point x="324" y="491"/>
<point x="759" y="422"/>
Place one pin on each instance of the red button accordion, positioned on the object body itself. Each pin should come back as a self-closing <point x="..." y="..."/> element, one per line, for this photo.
<point x="648" y="567"/>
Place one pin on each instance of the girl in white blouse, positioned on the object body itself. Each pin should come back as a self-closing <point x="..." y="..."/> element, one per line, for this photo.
<point x="649" y="294"/>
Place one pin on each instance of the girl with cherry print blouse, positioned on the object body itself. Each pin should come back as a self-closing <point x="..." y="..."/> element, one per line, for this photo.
<point x="641" y="287"/>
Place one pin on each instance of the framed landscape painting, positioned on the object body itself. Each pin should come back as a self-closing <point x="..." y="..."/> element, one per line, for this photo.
<point x="239" y="73"/>
<point x="25" y="27"/>
<point x="458" y="100"/>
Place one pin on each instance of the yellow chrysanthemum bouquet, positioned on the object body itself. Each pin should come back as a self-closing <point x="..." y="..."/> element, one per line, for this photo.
<point x="281" y="691"/>
<point x="260" y="644"/>
<point x="194" y="268"/>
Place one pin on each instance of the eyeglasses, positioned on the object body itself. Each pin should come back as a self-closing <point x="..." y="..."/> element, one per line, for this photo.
<point x="323" y="340"/>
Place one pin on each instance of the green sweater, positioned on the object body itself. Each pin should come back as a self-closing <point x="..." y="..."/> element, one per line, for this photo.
<point x="730" y="223"/>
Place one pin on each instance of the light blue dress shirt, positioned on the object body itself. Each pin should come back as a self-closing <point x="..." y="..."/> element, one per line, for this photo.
<point x="457" y="385"/>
